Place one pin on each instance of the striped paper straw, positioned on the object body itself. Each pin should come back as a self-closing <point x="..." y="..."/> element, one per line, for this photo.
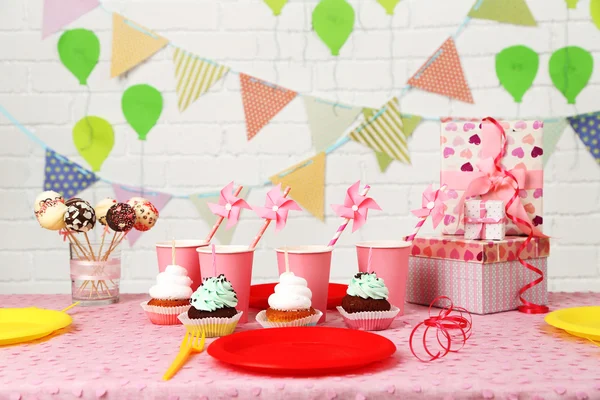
<point x="220" y="219"/>
<point x="266" y="225"/>
<point x="344" y="224"/>
<point x="422" y="220"/>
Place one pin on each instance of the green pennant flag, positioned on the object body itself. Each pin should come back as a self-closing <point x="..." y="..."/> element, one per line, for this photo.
<point x="553" y="131"/>
<point x="514" y="12"/>
<point x="327" y="122"/>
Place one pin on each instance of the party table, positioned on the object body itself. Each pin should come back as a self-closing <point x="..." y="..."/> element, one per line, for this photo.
<point x="114" y="352"/>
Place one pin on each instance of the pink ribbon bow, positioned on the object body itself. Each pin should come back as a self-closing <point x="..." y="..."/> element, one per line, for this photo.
<point x="355" y="207"/>
<point x="432" y="205"/>
<point x="277" y="207"/>
<point x="229" y="206"/>
<point x="64" y="233"/>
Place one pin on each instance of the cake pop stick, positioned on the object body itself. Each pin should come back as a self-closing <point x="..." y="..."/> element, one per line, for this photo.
<point x="220" y="219"/>
<point x="87" y="239"/>
<point x="266" y="224"/>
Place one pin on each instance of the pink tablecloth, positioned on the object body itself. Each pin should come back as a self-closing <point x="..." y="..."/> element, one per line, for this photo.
<point x="113" y="352"/>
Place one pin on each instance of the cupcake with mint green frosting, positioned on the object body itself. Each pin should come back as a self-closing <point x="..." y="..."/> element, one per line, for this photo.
<point x="366" y="305"/>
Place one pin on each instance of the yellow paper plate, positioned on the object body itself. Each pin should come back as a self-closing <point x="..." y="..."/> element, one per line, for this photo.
<point x="583" y="322"/>
<point x="19" y="325"/>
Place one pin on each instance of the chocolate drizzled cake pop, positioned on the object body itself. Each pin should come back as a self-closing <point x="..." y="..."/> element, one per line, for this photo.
<point x="102" y="208"/>
<point x="72" y="201"/>
<point x="120" y="217"/>
<point x="80" y="216"/>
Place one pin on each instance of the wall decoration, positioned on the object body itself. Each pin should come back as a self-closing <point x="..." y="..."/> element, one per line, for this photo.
<point x="516" y="68"/>
<point x="131" y="44"/>
<point x="553" y="130"/>
<point x="276" y="5"/>
<point x="572" y="4"/>
<point x="443" y="74"/>
<point x="333" y="21"/>
<point x="595" y="12"/>
<point x="60" y="13"/>
<point x="383" y="160"/>
<point x="79" y="51"/>
<point x="64" y="176"/>
<point x="389" y="5"/>
<point x="327" y="121"/>
<point x="587" y="127"/>
<point x="514" y="12"/>
<point x="142" y="106"/>
<point x="570" y="70"/>
<point x="94" y="139"/>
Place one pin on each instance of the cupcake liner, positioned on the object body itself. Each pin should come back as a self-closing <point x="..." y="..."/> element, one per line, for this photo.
<point x="159" y="315"/>
<point x="311" y="320"/>
<point x="212" y="327"/>
<point x="369" y="320"/>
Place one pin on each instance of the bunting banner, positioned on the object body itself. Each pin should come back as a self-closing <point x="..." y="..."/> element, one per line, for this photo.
<point x="262" y="101"/>
<point x="443" y="74"/>
<point x="194" y="77"/>
<point x="131" y="44"/>
<point x="383" y="132"/>
<point x="124" y="193"/>
<point x="66" y="177"/>
<point x="514" y="12"/>
<point x="553" y="131"/>
<point x="587" y="127"/>
<point x="200" y="201"/>
<point x="409" y="125"/>
<point x="383" y="160"/>
<point x="328" y="122"/>
<point x="60" y="13"/>
<point x="307" y="180"/>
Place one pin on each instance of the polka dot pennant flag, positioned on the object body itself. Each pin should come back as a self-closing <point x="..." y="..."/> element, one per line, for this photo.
<point x="443" y="74"/>
<point x="262" y="101"/>
<point x="587" y="127"/>
<point x="66" y="177"/>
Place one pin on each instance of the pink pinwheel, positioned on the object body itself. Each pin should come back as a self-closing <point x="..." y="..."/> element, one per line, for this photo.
<point x="355" y="207"/>
<point x="432" y="205"/>
<point x="277" y="207"/>
<point x="229" y="206"/>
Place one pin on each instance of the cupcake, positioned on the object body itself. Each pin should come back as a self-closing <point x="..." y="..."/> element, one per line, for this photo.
<point x="365" y="305"/>
<point x="169" y="297"/>
<point x="212" y="308"/>
<point x="290" y="305"/>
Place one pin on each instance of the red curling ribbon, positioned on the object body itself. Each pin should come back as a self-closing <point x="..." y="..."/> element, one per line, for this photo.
<point x="64" y="233"/>
<point x="444" y="323"/>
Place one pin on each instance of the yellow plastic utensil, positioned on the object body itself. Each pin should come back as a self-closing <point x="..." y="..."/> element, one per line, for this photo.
<point x="192" y="343"/>
<point x="582" y="322"/>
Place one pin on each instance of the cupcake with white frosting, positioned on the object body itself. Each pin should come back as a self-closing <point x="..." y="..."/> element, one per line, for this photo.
<point x="290" y="305"/>
<point x="170" y="296"/>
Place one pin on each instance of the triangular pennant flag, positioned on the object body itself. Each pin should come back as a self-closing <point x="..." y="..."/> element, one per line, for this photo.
<point x="262" y="101"/>
<point x="223" y="235"/>
<point x="383" y="132"/>
<point x="124" y="193"/>
<point x="508" y="11"/>
<point x="327" y="121"/>
<point x="443" y="74"/>
<point x="307" y="180"/>
<point x="194" y="77"/>
<point x="383" y="160"/>
<point x="59" y="13"/>
<point x="131" y="44"/>
<point x="409" y="125"/>
<point x="66" y="177"/>
<point x="553" y="131"/>
<point x="587" y="127"/>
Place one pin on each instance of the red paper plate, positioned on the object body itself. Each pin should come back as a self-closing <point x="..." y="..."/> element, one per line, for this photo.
<point x="259" y="295"/>
<point x="302" y="350"/>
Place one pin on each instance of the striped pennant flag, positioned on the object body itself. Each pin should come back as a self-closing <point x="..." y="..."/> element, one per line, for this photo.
<point x="383" y="131"/>
<point x="194" y="77"/>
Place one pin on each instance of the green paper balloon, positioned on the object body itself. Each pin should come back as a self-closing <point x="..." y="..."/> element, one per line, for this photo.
<point x="389" y="5"/>
<point x="595" y="12"/>
<point x="572" y="3"/>
<point x="276" y="5"/>
<point x="142" y="106"/>
<point x="516" y="68"/>
<point x="570" y="70"/>
<point x="94" y="139"/>
<point x="333" y="21"/>
<point x="79" y="50"/>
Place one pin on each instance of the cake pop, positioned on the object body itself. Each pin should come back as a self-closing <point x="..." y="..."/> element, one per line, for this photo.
<point x="102" y="208"/>
<point x="72" y="201"/>
<point x="47" y="198"/>
<point x="120" y="217"/>
<point x="51" y="215"/>
<point x="135" y="200"/>
<point x="145" y="215"/>
<point x="80" y="216"/>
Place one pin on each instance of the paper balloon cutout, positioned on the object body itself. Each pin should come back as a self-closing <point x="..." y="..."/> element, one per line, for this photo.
<point x="276" y="5"/>
<point x="333" y="21"/>
<point x="570" y="69"/>
<point x="389" y="5"/>
<point x="595" y="12"/>
<point x="516" y="68"/>
<point x="79" y="51"/>
<point x="572" y="4"/>
<point x="94" y="139"/>
<point x="142" y="106"/>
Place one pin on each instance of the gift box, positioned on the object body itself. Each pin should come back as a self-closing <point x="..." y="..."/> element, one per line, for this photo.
<point x="472" y="151"/>
<point x="485" y="219"/>
<point x="481" y="276"/>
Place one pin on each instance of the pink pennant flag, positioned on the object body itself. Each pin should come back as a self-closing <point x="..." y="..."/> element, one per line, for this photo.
<point x="59" y="13"/>
<point x="124" y="193"/>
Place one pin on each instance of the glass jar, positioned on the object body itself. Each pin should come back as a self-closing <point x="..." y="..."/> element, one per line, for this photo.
<point x="95" y="275"/>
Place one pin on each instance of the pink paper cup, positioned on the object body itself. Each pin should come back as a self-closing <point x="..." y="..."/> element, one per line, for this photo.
<point x="390" y="262"/>
<point x="235" y="262"/>
<point x="185" y="256"/>
<point x="312" y="263"/>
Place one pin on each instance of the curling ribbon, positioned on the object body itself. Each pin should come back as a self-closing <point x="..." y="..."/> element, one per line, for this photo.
<point x="64" y="233"/>
<point x="444" y="322"/>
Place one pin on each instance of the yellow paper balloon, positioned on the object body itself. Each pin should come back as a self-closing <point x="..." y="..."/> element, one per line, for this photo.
<point x="595" y="12"/>
<point x="94" y="139"/>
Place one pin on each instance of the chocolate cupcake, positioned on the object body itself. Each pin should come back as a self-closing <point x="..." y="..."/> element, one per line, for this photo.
<point x="120" y="217"/>
<point x="215" y="298"/>
<point x="366" y="292"/>
<point x="80" y="216"/>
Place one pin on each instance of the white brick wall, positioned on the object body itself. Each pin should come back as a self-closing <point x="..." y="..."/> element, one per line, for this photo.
<point x="205" y="147"/>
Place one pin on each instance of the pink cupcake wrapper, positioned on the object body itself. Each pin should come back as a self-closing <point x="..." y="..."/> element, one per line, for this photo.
<point x="164" y="315"/>
<point x="369" y="320"/>
<point x="212" y="327"/>
<point x="311" y="320"/>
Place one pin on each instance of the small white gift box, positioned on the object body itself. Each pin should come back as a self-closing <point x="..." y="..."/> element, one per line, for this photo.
<point x="485" y="219"/>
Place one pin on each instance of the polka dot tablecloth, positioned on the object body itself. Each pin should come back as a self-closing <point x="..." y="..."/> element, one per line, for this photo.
<point x="114" y="352"/>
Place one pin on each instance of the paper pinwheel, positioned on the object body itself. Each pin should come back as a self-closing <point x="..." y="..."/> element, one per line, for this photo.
<point x="355" y="207"/>
<point x="277" y="207"/>
<point x="432" y="205"/>
<point x="229" y="206"/>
